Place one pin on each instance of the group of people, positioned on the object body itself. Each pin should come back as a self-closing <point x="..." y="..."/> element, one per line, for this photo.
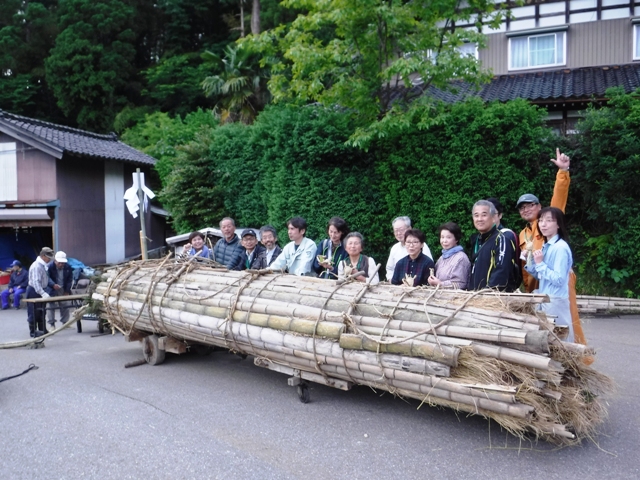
<point x="539" y="258"/>
<point x="49" y="275"/>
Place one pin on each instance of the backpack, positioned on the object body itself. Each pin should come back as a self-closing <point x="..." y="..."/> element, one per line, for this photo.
<point x="516" y="268"/>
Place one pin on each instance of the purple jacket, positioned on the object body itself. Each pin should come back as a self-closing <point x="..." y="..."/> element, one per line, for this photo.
<point x="453" y="272"/>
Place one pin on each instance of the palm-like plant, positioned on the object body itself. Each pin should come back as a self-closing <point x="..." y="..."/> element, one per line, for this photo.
<point x="240" y="86"/>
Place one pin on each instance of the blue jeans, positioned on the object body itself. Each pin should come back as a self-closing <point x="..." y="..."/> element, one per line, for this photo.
<point x="17" y="292"/>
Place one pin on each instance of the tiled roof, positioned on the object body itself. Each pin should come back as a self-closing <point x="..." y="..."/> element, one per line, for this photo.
<point x="563" y="84"/>
<point x="61" y="139"/>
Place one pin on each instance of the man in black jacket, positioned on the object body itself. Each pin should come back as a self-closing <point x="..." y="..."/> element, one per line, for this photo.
<point x="60" y="281"/>
<point x="269" y="238"/>
<point x="252" y="250"/>
<point x="493" y="257"/>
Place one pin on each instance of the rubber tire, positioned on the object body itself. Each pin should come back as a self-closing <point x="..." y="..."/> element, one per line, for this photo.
<point x="100" y="325"/>
<point x="151" y="350"/>
<point x="303" y="393"/>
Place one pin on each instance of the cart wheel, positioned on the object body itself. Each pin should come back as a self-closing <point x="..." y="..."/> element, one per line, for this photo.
<point x="303" y="392"/>
<point x="100" y="325"/>
<point x="151" y="351"/>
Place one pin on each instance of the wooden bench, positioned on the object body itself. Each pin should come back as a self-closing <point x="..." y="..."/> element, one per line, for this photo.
<point x="53" y="304"/>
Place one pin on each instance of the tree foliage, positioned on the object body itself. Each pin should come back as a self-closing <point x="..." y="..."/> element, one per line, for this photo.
<point x="475" y="151"/>
<point x="174" y="84"/>
<point x="367" y="56"/>
<point x="295" y="161"/>
<point x="90" y="66"/>
<point x="608" y="176"/>
<point x="239" y="87"/>
<point x="27" y="33"/>
<point x="162" y="137"/>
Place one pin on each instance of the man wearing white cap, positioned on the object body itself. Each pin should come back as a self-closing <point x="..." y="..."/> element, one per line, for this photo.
<point x="60" y="280"/>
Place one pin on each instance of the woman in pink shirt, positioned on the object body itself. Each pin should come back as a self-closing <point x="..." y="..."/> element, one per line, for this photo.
<point x="452" y="268"/>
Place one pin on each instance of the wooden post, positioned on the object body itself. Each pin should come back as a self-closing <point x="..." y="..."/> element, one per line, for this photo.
<point x="143" y="227"/>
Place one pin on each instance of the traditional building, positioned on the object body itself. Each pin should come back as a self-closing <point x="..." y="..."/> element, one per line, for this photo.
<point x="63" y="187"/>
<point x="558" y="54"/>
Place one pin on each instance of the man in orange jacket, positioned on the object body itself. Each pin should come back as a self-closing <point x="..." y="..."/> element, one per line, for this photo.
<point x="531" y="240"/>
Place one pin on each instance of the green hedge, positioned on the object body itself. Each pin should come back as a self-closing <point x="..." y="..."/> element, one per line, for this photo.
<point x="295" y="161"/>
<point x="477" y="151"/>
<point x="607" y="176"/>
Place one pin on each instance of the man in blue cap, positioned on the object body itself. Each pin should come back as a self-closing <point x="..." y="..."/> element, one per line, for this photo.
<point x="17" y="285"/>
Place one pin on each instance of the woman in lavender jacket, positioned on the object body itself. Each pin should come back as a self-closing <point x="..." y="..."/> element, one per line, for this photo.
<point x="452" y="268"/>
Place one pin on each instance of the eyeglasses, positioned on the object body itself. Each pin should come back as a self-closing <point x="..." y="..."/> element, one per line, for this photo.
<point x="413" y="242"/>
<point x="526" y="206"/>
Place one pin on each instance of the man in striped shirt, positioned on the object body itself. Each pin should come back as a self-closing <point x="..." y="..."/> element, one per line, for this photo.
<point x="38" y="281"/>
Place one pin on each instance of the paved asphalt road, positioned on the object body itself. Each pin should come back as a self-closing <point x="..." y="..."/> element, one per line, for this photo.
<point x="82" y="415"/>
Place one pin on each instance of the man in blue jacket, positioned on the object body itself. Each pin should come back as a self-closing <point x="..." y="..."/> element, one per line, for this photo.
<point x="60" y="281"/>
<point x="17" y="285"/>
<point x="228" y="250"/>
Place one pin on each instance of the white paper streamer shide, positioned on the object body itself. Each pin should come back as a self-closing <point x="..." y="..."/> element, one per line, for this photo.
<point x="131" y="195"/>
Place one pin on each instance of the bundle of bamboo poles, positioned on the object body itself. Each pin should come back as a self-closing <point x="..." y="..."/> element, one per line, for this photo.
<point x="588" y="304"/>
<point x="483" y="352"/>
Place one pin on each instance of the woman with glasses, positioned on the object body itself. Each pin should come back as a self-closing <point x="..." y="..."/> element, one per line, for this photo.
<point x="414" y="269"/>
<point x="330" y="251"/>
<point x="551" y="265"/>
<point x="452" y="268"/>
<point x="356" y="261"/>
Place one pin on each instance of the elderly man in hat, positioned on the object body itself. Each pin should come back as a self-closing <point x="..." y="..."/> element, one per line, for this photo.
<point x="252" y="250"/>
<point x="17" y="285"/>
<point x="60" y="281"/>
<point x="38" y="282"/>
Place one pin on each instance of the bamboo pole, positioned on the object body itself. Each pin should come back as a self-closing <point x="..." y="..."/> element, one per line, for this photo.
<point x="369" y="306"/>
<point x="428" y="350"/>
<point x="304" y="324"/>
<point x="533" y="338"/>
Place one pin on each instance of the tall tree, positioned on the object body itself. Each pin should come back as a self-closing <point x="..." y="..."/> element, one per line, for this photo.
<point x="255" y="17"/>
<point x="368" y="55"/>
<point x="90" y="69"/>
<point x="27" y="33"/>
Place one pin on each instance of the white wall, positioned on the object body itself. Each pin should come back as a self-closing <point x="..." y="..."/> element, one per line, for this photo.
<point x="114" y="211"/>
<point x="8" y="172"/>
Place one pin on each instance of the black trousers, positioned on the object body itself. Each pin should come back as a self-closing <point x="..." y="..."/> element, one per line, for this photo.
<point x="35" y="314"/>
